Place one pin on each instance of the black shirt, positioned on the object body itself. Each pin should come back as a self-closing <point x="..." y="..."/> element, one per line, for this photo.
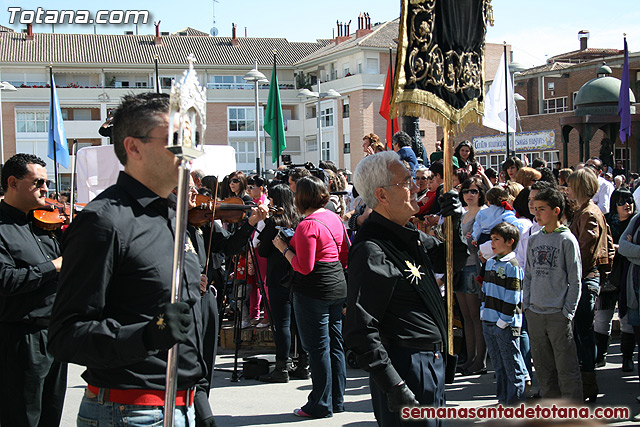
<point x="116" y="275"/>
<point x="28" y="278"/>
<point x="278" y="267"/>
<point x="383" y="304"/>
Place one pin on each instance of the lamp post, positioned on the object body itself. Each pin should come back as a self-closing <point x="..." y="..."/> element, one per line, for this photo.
<point x="330" y="94"/>
<point x="9" y="87"/>
<point x="256" y="77"/>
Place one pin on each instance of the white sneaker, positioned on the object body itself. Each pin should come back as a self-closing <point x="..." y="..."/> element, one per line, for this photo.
<point x="246" y="324"/>
<point x="263" y="325"/>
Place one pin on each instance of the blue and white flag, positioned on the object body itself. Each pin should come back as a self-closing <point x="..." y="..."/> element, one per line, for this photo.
<point x="58" y="149"/>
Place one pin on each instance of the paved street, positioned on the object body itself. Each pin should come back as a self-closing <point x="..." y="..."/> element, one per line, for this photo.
<point x="251" y="403"/>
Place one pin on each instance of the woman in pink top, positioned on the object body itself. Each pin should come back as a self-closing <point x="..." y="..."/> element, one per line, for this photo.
<point x="318" y="253"/>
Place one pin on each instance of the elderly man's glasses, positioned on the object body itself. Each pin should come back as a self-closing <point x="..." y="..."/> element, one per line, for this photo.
<point x="405" y="184"/>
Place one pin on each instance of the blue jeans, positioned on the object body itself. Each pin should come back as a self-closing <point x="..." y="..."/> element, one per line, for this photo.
<point x="504" y="350"/>
<point x="97" y="413"/>
<point x="525" y="347"/>
<point x="583" y="324"/>
<point x="320" y="328"/>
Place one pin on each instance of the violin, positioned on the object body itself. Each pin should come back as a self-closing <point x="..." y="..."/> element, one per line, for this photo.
<point x="54" y="215"/>
<point x="231" y="209"/>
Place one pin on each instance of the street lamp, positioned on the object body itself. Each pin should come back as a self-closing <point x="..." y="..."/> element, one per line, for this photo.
<point x="330" y="94"/>
<point x="256" y="77"/>
<point x="11" y="88"/>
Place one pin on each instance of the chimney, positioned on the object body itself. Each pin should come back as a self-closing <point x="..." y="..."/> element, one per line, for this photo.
<point x="29" y="32"/>
<point x="343" y="32"/>
<point x="245" y="32"/>
<point x="364" y="25"/>
<point x="158" y="39"/>
<point x="583" y="36"/>
<point x="347" y="32"/>
<point x="234" y="35"/>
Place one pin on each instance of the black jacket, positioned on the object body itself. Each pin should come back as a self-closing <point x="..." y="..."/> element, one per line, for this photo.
<point x="386" y="302"/>
<point x="28" y="278"/>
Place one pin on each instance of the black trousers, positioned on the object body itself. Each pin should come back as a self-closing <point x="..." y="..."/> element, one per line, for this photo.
<point x="210" y="324"/>
<point x="423" y="372"/>
<point x="32" y="383"/>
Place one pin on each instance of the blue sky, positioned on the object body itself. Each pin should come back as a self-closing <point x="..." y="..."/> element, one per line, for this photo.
<point x="536" y="29"/>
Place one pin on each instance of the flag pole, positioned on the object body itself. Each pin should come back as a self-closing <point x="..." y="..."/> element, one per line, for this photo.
<point x="55" y="157"/>
<point x="275" y="53"/>
<point x="157" y="76"/>
<point x="506" y="90"/>
<point x="392" y="80"/>
<point x="72" y="197"/>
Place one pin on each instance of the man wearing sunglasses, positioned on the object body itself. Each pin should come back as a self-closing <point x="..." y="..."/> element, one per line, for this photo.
<point x="33" y="384"/>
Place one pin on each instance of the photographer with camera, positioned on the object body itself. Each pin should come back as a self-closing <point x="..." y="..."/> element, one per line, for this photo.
<point x="279" y="279"/>
<point x="318" y="253"/>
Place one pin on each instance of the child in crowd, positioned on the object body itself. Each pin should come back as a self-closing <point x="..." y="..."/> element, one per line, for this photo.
<point x="498" y="211"/>
<point x="551" y="292"/>
<point x="501" y="313"/>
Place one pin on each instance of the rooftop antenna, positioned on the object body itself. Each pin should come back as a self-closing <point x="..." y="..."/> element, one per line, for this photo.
<point x="214" y="30"/>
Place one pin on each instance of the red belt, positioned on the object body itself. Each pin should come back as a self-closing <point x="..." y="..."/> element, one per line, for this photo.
<point x="143" y="397"/>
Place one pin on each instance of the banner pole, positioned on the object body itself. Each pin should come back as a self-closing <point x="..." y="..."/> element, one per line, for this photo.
<point x="448" y="221"/>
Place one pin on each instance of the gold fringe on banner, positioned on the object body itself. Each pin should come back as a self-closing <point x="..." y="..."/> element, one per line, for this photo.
<point x="437" y="68"/>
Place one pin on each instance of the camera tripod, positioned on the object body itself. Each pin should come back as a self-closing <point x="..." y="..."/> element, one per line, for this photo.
<point x="240" y="295"/>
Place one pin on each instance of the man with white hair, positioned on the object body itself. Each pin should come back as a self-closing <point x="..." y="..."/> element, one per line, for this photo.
<point x="605" y="190"/>
<point x="396" y="318"/>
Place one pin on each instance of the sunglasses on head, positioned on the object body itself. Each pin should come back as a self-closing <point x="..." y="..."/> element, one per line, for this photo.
<point x="234" y="180"/>
<point x="472" y="191"/>
<point x="623" y="202"/>
<point x="39" y="183"/>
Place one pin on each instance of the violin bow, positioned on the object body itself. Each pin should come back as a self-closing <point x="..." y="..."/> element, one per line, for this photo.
<point x="215" y="196"/>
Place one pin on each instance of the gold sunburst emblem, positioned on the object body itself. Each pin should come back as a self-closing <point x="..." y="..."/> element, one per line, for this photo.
<point x="414" y="272"/>
<point x="160" y="322"/>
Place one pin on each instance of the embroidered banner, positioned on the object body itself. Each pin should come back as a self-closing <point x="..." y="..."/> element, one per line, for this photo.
<point x="441" y="60"/>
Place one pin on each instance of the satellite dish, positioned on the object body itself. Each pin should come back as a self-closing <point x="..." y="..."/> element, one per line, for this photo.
<point x="213" y="31"/>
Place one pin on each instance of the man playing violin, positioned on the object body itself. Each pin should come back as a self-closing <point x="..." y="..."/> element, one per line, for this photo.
<point x="228" y="244"/>
<point x="33" y="384"/>
<point x="113" y="313"/>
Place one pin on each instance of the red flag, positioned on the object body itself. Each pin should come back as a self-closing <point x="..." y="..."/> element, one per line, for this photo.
<point x="392" y="125"/>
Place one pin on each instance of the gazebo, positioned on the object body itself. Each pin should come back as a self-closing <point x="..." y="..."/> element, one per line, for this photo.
<point x="596" y="108"/>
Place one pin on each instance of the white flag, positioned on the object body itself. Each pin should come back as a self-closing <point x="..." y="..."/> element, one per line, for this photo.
<point x="495" y="102"/>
